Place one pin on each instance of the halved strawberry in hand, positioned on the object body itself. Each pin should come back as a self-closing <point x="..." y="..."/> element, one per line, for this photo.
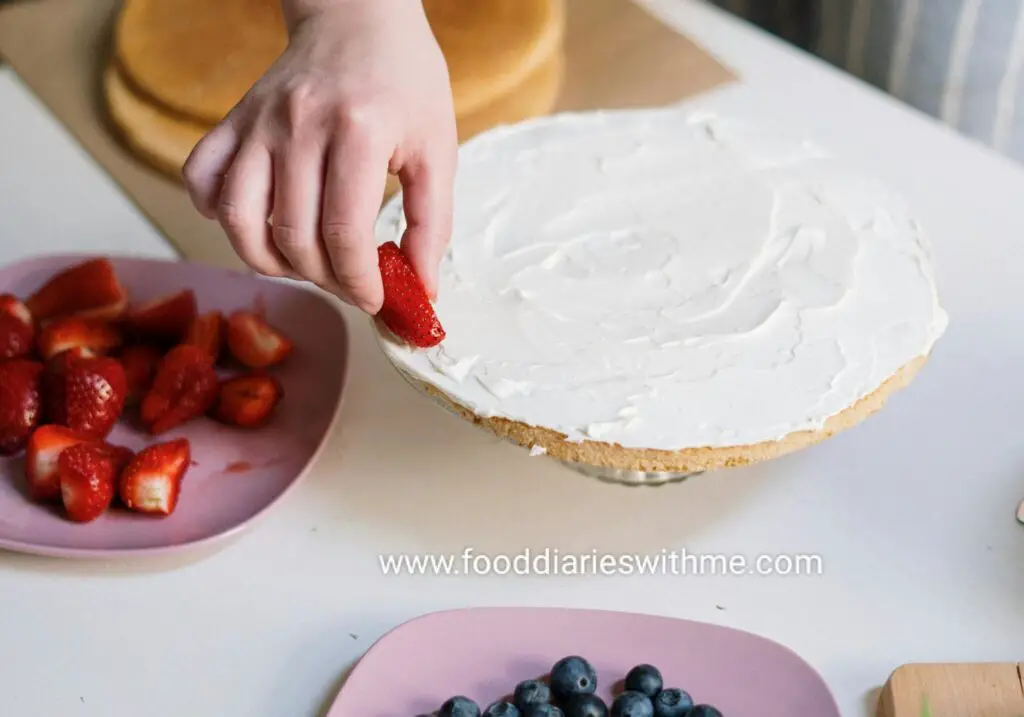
<point x="75" y="332"/>
<point x="407" y="311"/>
<point x="152" y="480"/>
<point x="17" y="330"/>
<point x="90" y="289"/>
<point x="256" y="343"/>
<point x="140" y="363"/>
<point x="85" y="394"/>
<point x="21" y="405"/>
<point x="88" y="481"/>
<point x="185" y="387"/>
<point x="41" y="454"/>
<point x="247" y="401"/>
<point x="207" y="332"/>
<point x="166" y="318"/>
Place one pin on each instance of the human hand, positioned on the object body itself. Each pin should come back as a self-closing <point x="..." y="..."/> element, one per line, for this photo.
<point x="362" y="90"/>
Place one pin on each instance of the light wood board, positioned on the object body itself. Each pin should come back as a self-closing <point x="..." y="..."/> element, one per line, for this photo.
<point x="954" y="690"/>
<point x="618" y="55"/>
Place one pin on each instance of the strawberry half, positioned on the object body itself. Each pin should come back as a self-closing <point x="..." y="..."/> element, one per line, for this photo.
<point x="88" y="481"/>
<point x="185" y="387"/>
<point x="151" y="482"/>
<point x="140" y="363"/>
<point x="256" y="343"/>
<point x="21" y="405"/>
<point x="41" y="454"/>
<point x="247" y="401"/>
<point x="407" y="311"/>
<point x="17" y="330"/>
<point x="75" y="332"/>
<point x="90" y="289"/>
<point x="166" y="318"/>
<point x="85" y="394"/>
<point x="207" y="332"/>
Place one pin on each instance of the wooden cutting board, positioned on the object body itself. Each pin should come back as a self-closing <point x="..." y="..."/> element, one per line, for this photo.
<point x="954" y="690"/>
<point x="618" y="56"/>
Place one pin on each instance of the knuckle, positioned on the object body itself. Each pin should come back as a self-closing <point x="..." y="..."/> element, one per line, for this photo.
<point x="287" y="236"/>
<point x="341" y="234"/>
<point x="232" y="218"/>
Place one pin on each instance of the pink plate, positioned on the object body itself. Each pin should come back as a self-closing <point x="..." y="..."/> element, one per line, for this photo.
<point x="237" y="475"/>
<point x="483" y="653"/>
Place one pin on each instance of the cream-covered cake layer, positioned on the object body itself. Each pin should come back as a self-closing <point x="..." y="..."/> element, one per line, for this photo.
<point x="656" y="279"/>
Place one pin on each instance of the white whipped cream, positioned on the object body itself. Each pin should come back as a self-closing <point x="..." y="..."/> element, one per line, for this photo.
<point x="656" y="279"/>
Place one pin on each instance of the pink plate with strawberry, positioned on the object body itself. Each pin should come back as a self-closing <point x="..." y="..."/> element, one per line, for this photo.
<point x="153" y="406"/>
<point x="485" y="653"/>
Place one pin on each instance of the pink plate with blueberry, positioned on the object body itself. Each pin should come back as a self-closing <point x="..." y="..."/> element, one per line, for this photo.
<point x="248" y="447"/>
<point x="550" y="662"/>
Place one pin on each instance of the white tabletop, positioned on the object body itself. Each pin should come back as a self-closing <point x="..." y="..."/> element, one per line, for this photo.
<point x="912" y="513"/>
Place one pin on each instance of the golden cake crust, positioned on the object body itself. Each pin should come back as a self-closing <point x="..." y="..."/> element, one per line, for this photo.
<point x="690" y="460"/>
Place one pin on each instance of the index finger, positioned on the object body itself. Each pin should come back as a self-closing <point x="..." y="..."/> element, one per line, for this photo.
<point x="354" y="185"/>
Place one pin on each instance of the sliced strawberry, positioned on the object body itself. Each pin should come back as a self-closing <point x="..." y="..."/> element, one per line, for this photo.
<point x="21" y="405"/>
<point x="256" y="343"/>
<point x="41" y="453"/>
<point x="75" y="332"/>
<point x="53" y="383"/>
<point x="407" y="311"/>
<point x="185" y="387"/>
<point x="140" y="363"/>
<point x="152" y="481"/>
<point x="85" y="394"/>
<point x="247" y="401"/>
<point x="90" y="289"/>
<point x="17" y="330"/>
<point x="88" y="481"/>
<point x="166" y="318"/>
<point x="207" y="332"/>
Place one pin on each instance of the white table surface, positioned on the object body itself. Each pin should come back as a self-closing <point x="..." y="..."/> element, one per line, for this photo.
<point x="911" y="513"/>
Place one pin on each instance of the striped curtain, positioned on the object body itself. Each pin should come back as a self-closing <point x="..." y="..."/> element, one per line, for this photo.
<point x="958" y="60"/>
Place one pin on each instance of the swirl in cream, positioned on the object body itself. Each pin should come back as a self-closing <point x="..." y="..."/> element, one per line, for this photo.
<point x="656" y="279"/>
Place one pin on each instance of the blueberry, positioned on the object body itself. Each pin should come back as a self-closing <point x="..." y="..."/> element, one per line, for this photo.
<point x="501" y="709"/>
<point x="572" y="676"/>
<point x="704" y="711"/>
<point x="586" y="706"/>
<point x="531" y="692"/>
<point x="646" y="679"/>
<point x="633" y="704"/>
<point x="459" y="706"/>
<point x="543" y="710"/>
<point x="672" y="702"/>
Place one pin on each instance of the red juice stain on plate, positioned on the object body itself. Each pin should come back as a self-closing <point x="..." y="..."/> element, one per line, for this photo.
<point x="238" y="467"/>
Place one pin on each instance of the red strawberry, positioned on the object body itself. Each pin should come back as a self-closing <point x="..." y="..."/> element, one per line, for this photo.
<point x="207" y="332"/>
<point x="44" y="447"/>
<point x="140" y="363"/>
<point x="166" y="318"/>
<point x="407" y="311"/>
<point x="88" y="481"/>
<point x="53" y="382"/>
<point x="247" y="401"/>
<point x="17" y="330"/>
<point x="85" y="394"/>
<point x="185" y="387"/>
<point x="21" y="405"/>
<point x="90" y="289"/>
<point x="152" y="481"/>
<point x="74" y="332"/>
<point x="256" y="343"/>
